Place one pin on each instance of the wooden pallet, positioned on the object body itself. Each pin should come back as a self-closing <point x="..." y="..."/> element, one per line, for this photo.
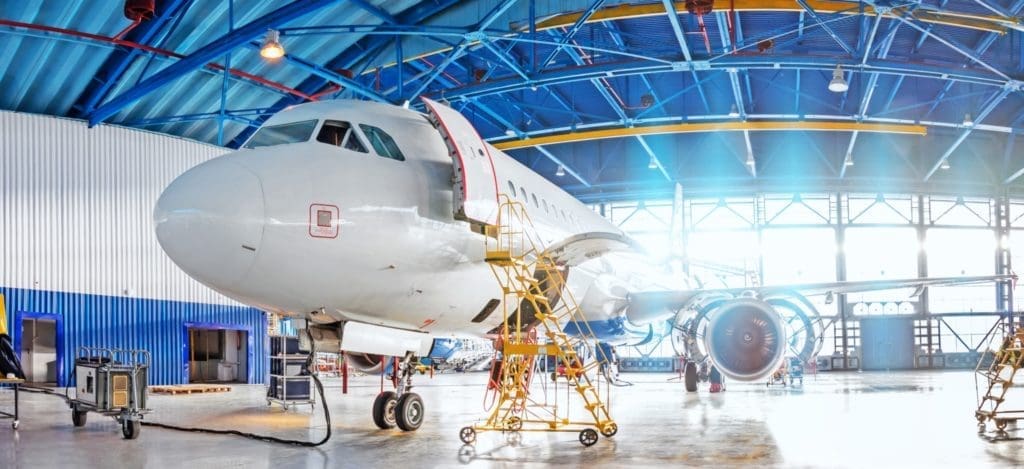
<point x="189" y="388"/>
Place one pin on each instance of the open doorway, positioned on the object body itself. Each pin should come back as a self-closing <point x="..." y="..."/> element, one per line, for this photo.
<point x="39" y="354"/>
<point x="218" y="355"/>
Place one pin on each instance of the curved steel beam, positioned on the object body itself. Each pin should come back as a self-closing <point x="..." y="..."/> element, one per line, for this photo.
<point x="993" y="23"/>
<point x="637" y="67"/>
<point x="752" y="126"/>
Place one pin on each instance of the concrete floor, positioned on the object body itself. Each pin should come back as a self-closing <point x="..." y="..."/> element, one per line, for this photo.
<point x="899" y="419"/>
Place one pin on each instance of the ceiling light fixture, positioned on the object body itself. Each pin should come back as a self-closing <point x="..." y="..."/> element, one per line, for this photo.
<point x="849" y="160"/>
<point x="945" y="164"/>
<point x="967" y="120"/>
<point x="560" y="171"/>
<point x="272" y="48"/>
<point x="750" y="159"/>
<point x="652" y="164"/>
<point x="838" y="83"/>
<point x="510" y="132"/>
<point x="734" y="113"/>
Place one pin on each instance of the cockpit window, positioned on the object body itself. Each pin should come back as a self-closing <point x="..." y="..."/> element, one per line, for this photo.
<point x="281" y="134"/>
<point x="340" y="134"/>
<point x="382" y="142"/>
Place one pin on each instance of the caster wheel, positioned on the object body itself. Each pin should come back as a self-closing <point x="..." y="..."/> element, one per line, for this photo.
<point x="409" y="412"/>
<point x="78" y="417"/>
<point x="588" y="437"/>
<point x="384" y="410"/>
<point x="131" y="429"/>
<point x="14" y="425"/>
<point x="609" y="430"/>
<point x="1001" y="425"/>
<point x="467" y="435"/>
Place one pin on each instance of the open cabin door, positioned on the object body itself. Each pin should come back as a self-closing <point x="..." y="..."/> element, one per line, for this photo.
<point x="476" y="184"/>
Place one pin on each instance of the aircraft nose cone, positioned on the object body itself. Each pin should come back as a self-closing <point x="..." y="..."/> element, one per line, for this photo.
<point x="210" y="221"/>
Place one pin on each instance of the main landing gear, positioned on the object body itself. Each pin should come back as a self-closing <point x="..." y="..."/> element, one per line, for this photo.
<point x="401" y="407"/>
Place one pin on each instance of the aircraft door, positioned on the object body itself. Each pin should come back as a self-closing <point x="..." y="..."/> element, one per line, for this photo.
<point x="476" y="183"/>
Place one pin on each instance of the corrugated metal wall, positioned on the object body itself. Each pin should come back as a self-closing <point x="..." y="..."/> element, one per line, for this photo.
<point x="77" y="240"/>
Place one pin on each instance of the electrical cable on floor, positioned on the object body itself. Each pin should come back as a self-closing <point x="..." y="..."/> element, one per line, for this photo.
<point x="270" y="439"/>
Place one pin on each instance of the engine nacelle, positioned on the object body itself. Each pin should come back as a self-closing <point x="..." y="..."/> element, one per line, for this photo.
<point x="745" y="339"/>
<point x="364" y="362"/>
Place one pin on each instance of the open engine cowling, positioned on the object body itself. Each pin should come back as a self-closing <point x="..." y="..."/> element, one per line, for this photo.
<point x="364" y="362"/>
<point x="745" y="338"/>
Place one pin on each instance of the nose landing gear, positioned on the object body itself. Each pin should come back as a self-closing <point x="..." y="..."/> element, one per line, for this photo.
<point x="401" y="408"/>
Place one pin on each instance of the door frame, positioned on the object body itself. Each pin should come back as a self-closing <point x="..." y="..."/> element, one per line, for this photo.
<point x="250" y="349"/>
<point x="19" y="319"/>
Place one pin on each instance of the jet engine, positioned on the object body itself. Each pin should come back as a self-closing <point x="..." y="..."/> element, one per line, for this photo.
<point x="364" y="362"/>
<point x="745" y="338"/>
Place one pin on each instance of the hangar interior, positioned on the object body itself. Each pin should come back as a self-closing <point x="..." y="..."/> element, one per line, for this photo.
<point x="741" y="144"/>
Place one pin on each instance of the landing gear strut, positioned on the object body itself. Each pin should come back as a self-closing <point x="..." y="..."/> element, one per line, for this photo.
<point x="402" y="407"/>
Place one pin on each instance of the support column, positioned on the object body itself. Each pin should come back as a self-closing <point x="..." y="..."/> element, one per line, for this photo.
<point x="841" y="301"/>
<point x="1004" y="289"/>
<point x="922" y="272"/>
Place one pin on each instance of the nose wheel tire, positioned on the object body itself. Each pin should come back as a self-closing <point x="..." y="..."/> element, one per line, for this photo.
<point x="588" y="437"/>
<point x="409" y="412"/>
<point x="384" y="410"/>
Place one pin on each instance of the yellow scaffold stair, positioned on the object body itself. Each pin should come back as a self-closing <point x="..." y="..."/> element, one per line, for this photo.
<point x="537" y="306"/>
<point x="997" y="379"/>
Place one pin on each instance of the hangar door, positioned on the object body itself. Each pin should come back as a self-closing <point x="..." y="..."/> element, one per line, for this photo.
<point x="476" y="183"/>
<point x="887" y="343"/>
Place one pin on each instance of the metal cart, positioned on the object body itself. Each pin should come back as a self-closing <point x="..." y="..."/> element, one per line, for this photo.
<point x="14" y="383"/>
<point x="111" y="382"/>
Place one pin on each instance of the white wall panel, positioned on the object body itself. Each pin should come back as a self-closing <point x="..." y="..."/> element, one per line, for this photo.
<point x="76" y="208"/>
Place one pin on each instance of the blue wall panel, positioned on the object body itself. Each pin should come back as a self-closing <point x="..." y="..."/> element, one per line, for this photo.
<point x="120" y="322"/>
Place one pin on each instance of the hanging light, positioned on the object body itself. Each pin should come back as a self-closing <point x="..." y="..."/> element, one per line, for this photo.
<point x="849" y="160"/>
<point x="838" y="83"/>
<point x="944" y="164"/>
<point x="734" y="112"/>
<point x="272" y="48"/>
<point x="750" y="159"/>
<point x="510" y="132"/>
<point x="968" y="121"/>
<point x="652" y="163"/>
<point x="560" y="171"/>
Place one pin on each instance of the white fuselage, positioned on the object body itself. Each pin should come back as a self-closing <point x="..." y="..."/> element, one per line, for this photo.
<point x="241" y="224"/>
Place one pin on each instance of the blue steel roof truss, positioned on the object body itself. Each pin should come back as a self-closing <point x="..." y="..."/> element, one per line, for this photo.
<point x="629" y="72"/>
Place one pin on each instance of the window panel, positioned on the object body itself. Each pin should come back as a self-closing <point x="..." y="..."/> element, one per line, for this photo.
<point x="293" y="132"/>
<point x="382" y="143"/>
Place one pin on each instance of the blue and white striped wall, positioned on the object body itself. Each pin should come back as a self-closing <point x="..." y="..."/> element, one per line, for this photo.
<point x="77" y="243"/>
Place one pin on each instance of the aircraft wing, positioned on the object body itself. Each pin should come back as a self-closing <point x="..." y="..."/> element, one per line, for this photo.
<point x="677" y="299"/>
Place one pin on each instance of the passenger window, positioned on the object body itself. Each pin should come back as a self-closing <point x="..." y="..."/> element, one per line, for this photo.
<point x="545" y="205"/>
<point x="340" y="134"/>
<point x="522" y="193"/>
<point x="535" y="203"/>
<point x="281" y="134"/>
<point x="382" y="142"/>
<point x="512" y="189"/>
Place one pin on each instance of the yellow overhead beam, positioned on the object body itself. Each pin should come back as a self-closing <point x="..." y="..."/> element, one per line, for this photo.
<point x="989" y="23"/>
<point x="753" y="126"/>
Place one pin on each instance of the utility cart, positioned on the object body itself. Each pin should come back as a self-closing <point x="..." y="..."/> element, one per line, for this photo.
<point x="111" y="382"/>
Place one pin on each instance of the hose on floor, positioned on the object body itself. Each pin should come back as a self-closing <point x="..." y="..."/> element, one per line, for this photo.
<point x="310" y="362"/>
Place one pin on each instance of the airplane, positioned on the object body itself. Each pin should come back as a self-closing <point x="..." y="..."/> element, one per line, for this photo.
<point x="364" y="221"/>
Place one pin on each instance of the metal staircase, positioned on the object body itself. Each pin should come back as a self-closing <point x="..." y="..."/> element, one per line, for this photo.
<point x="536" y="306"/>
<point x="997" y="379"/>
